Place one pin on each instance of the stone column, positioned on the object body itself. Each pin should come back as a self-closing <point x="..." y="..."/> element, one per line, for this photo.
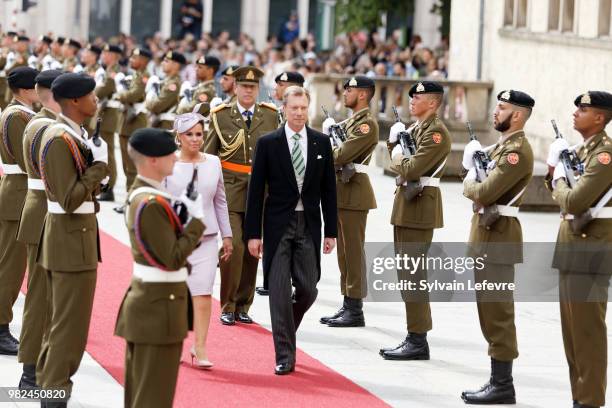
<point x="254" y="20"/>
<point x="426" y="24"/>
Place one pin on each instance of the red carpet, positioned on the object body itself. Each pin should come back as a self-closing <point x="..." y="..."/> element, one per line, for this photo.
<point x="243" y="356"/>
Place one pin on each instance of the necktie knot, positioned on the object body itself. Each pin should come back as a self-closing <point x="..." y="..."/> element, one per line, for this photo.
<point x="247" y="113"/>
<point x="297" y="137"/>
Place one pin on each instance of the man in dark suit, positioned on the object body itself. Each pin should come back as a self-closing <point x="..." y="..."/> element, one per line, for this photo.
<point x="297" y="165"/>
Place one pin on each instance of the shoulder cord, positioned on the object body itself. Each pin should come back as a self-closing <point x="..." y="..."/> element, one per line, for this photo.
<point x="230" y="148"/>
<point x="142" y="246"/>
<point x="77" y="156"/>
<point x="5" y="136"/>
<point x="32" y="150"/>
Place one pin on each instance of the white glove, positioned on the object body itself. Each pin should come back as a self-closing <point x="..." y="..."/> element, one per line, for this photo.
<point x="195" y="207"/>
<point x="327" y="123"/>
<point x="154" y="79"/>
<point x="468" y="153"/>
<point x="555" y="150"/>
<point x="100" y="153"/>
<point x="471" y="175"/>
<point x="395" y="130"/>
<point x="559" y="173"/>
<point x="397" y="150"/>
<point x="105" y="180"/>
<point x="216" y="101"/>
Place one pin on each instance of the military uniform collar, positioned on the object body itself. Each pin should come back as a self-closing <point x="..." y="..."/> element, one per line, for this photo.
<point x="357" y="115"/>
<point x="594" y="141"/>
<point x="242" y="109"/>
<point x="424" y="124"/>
<point x="153" y="183"/>
<point x="505" y="139"/>
<point x="48" y="113"/>
<point x="75" y="126"/>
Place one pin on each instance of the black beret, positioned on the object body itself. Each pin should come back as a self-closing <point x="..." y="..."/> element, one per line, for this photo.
<point x="46" y="78"/>
<point x="46" y="39"/>
<point x="11" y="33"/>
<point x="20" y="38"/>
<point x="359" y="82"/>
<point x="94" y="48"/>
<point x="60" y="40"/>
<point x="595" y="99"/>
<point x="291" y="77"/>
<point x="229" y="70"/>
<point x="153" y="142"/>
<point x="143" y="52"/>
<point x="517" y="98"/>
<point x="73" y="43"/>
<point x="113" y="48"/>
<point x="22" y="78"/>
<point x="176" y="57"/>
<point x="71" y="85"/>
<point x="425" y="87"/>
<point x="209" y="61"/>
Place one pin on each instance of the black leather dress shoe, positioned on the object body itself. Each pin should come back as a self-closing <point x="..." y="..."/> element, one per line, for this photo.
<point x="386" y="349"/>
<point x="243" y="317"/>
<point x="499" y="389"/>
<point x="28" y="377"/>
<point x="415" y="348"/>
<point x="340" y="312"/>
<point x="8" y="344"/>
<point x="261" y="291"/>
<point x="120" y="209"/>
<point x="227" y="318"/>
<point x="107" y="195"/>
<point x="352" y="316"/>
<point x="284" y="369"/>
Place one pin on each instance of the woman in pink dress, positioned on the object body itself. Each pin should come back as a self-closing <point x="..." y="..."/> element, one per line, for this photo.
<point x="190" y="137"/>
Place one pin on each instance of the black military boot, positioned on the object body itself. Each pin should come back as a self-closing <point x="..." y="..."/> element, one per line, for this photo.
<point x="107" y="195"/>
<point x="385" y="349"/>
<point x="352" y="316"/>
<point x="28" y="377"/>
<point x="336" y="315"/>
<point x="8" y="344"/>
<point x="499" y="389"/>
<point x="414" y="348"/>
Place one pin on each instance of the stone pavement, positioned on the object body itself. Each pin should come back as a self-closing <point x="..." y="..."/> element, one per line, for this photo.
<point x="458" y="350"/>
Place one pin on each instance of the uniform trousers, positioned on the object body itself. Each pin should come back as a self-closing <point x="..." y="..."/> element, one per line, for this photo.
<point x="13" y="260"/>
<point x="351" y="254"/>
<point x="109" y="138"/>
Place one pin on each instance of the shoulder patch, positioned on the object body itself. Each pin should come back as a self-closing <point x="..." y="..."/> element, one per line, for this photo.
<point x="513" y="158"/>
<point x="364" y="128"/>
<point x="437" y="138"/>
<point x="268" y="105"/>
<point x="219" y="107"/>
<point x="604" y="158"/>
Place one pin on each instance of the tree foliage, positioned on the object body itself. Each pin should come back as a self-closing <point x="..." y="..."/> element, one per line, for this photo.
<point x="355" y="15"/>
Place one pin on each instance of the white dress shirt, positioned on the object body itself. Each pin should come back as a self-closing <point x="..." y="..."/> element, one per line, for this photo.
<point x="304" y="147"/>
<point x="241" y="109"/>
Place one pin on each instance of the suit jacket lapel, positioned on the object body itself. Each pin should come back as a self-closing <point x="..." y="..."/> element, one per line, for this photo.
<point x="285" y="156"/>
<point x="311" y="162"/>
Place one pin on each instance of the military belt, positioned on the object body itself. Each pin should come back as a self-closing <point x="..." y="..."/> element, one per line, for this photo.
<point x="605" y="212"/>
<point x="87" y="207"/>
<point x="361" y="168"/>
<point x="504" y="210"/>
<point x="151" y="274"/>
<point x="12" y="169"/>
<point x="239" y="168"/>
<point x="36" y="184"/>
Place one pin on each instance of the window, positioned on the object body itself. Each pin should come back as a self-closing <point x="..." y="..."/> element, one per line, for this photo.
<point x="605" y="15"/>
<point x="561" y="15"/>
<point x="515" y="13"/>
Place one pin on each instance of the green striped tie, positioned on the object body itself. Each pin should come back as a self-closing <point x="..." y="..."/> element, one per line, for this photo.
<point x="296" y="157"/>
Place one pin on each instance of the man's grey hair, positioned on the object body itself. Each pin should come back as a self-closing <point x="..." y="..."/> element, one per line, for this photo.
<point x="295" y="90"/>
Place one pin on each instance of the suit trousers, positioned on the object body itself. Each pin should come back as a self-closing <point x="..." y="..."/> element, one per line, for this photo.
<point x="129" y="169"/>
<point x="351" y="254"/>
<point x="496" y="312"/>
<point x="414" y="243"/>
<point x="70" y="299"/>
<point x="109" y="138"/>
<point x="585" y="335"/>
<point x="294" y="263"/>
<point x="151" y="372"/>
<point x="13" y="259"/>
<point x="34" y="310"/>
<point x="239" y="274"/>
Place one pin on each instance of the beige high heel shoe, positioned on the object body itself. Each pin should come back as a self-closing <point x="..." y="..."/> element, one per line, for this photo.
<point x="201" y="364"/>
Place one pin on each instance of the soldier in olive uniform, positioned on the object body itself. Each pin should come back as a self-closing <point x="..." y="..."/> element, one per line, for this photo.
<point x="110" y="112"/>
<point x="417" y="208"/>
<point x="153" y="315"/>
<point x="355" y="199"/>
<point x="16" y="57"/>
<point x="205" y="91"/>
<point x="284" y="81"/>
<point x="70" y="49"/>
<point x="583" y="252"/>
<point x="13" y="187"/>
<point x="30" y="231"/>
<point x="41" y="51"/>
<point x="227" y="82"/>
<point x="233" y="135"/>
<point x="89" y="58"/>
<point x="500" y="236"/>
<point x="134" y="112"/>
<point x="164" y="104"/>
<point x="72" y="169"/>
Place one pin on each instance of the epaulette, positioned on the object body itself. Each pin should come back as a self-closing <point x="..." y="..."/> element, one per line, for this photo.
<point x="268" y="105"/>
<point x="219" y="107"/>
